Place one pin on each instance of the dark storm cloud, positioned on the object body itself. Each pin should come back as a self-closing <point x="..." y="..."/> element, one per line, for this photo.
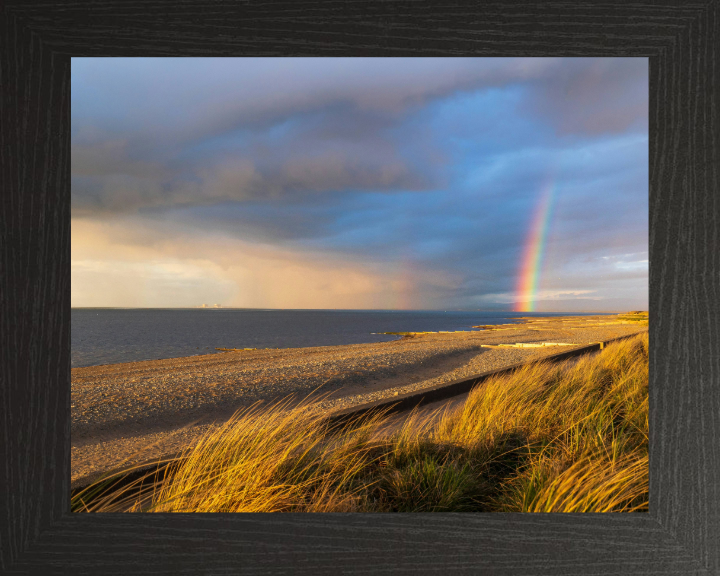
<point x="316" y="156"/>
<point x="241" y="130"/>
<point x="437" y="164"/>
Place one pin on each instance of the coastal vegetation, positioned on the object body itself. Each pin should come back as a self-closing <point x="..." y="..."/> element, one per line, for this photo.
<point x="639" y="317"/>
<point x="567" y="437"/>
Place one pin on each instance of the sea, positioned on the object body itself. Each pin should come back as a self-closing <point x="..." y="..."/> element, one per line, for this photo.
<point x="115" y="335"/>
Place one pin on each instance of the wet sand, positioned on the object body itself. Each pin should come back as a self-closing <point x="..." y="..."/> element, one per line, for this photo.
<point x="137" y="411"/>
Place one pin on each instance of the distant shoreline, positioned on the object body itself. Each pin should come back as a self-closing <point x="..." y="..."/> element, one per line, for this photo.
<point x="110" y="336"/>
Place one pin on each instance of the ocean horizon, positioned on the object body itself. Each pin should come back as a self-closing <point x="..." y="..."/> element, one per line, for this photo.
<point x="116" y="335"/>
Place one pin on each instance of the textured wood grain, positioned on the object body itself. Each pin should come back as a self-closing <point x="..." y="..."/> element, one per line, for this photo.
<point x="684" y="290"/>
<point x="681" y="533"/>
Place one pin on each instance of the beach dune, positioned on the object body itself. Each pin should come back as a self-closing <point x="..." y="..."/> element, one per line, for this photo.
<point x="133" y="412"/>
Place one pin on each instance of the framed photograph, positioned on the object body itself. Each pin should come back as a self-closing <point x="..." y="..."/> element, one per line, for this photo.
<point x="343" y="170"/>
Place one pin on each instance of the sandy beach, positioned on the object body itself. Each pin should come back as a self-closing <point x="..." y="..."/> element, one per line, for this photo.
<point x="134" y="412"/>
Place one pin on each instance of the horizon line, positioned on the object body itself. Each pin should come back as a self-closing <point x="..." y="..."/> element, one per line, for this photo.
<point x="503" y="310"/>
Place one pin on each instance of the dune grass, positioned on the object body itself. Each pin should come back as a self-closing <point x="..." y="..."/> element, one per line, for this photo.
<point x="640" y="318"/>
<point x="569" y="437"/>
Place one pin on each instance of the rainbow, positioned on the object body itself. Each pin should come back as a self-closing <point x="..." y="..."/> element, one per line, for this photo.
<point x="531" y="263"/>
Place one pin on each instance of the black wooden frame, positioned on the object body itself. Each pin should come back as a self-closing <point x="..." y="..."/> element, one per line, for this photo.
<point x="680" y="534"/>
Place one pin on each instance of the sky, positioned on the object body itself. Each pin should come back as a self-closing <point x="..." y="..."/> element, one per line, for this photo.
<point x="360" y="183"/>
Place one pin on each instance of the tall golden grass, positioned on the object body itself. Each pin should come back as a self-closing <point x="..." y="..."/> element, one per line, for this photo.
<point x="569" y="437"/>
